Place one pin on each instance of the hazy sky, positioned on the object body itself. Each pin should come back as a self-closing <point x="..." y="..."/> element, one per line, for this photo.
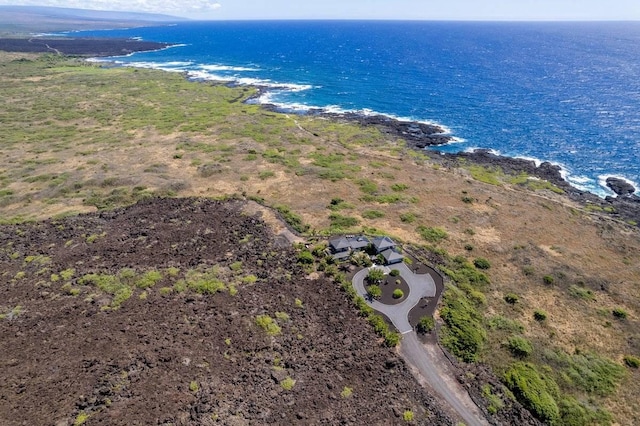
<point x="367" y="9"/>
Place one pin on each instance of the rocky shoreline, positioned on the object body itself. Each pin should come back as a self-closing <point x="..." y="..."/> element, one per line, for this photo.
<point x="421" y="136"/>
<point x="624" y="206"/>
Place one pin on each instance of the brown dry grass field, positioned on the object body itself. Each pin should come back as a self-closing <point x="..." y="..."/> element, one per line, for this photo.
<point x="76" y="138"/>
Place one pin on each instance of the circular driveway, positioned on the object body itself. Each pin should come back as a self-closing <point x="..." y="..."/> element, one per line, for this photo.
<point x="420" y="286"/>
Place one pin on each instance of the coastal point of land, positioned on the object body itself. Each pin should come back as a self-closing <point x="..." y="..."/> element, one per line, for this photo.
<point x="87" y="47"/>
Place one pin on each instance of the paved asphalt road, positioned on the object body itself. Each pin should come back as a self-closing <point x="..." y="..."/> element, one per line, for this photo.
<point x="429" y="361"/>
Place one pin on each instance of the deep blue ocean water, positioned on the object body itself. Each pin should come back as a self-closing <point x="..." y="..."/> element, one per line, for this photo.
<point x="568" y="93"/>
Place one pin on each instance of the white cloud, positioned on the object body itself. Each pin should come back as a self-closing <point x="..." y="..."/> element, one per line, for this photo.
<point x="170" y="7"/>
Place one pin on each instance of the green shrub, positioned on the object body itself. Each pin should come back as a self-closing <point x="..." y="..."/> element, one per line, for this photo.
<point x="205" y="282"/>
<point x="632" y="361"/>
<point x="575" y="413"/>
<point x="495" y="402"/>
<point x="619" y="313"/>
<point x="394" y="272"/>
<point x="391" y="339"/>
<point x="378" y="323"/>
<point x="346" y="392"/>
<point x="373" y="214"/>
<point x="581" y="293"/>
<point x="268" y="324"/>
<point x="519" y="346"/>
<point x="288" y="383"/>
<point x="374" y="291"/>
<point x="408" y="416"/>
<point x="81" y="418"/>
<point x="148" y="279"/>
<point x="481" y="263"/>
<point x="499" y="322"/>
<point x="539" y="315"/>
<point x="588" y="372"/>
<point x="548" y="279"/>
<point x="426" y="324"/>
<point x="305" y="257"/>
<point x="398" y="294"/>
<point x="294" y="220"/>
<point x="265" y="174"/>
<point x="464" y="334"/>
<point x="283" y="316"/>
<point x="367" y="186"/>
<point x="511" y="298"/>
<point x="339" y="221"/>
<point x="408" y="217"/>
<point x="375" y="276"/>
<point x="534" y="390"/>
<point x="433" y="235"/>
<point x="399" y="187"/>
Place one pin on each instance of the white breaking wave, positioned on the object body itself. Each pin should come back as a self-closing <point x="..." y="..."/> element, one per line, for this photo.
<point x="226" y="68"/>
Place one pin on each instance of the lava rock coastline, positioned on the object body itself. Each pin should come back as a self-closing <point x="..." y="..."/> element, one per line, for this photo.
<point x="86" y="47"/>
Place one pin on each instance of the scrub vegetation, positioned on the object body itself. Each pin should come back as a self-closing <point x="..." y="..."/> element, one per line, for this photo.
<point x="78" y="138"/>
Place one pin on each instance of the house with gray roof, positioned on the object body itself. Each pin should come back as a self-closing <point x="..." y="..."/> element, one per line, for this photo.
<point x="339" y="244"/>
<point x="342" y="247"/>
<point x="381" y="244"/>
<point x="358" y="242"/>
<point x="391" y="257"/>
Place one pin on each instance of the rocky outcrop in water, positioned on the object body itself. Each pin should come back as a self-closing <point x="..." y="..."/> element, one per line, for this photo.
<point x="620" y="186"/>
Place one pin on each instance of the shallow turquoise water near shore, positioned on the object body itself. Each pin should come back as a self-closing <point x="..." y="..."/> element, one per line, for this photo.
<point x="568" y="93"/>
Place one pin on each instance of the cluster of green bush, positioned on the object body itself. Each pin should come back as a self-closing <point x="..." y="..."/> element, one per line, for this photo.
<point x="540" y="394"/>
<point x="121" y="286"/>
<point x="294" y="220"/>
<point x="340" y="222"/>
<point x="432" y="235"/>
<point x="463" y="333"/>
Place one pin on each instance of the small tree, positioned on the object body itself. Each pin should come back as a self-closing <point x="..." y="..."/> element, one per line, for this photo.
<point x="511" y="298"/>
<point x="620" y="313"/>
<point x="539" y="315"/>
<point x="426" y="325"/>
<point x="632" y="361"/>
<point x="305" y="257"/>
<point x="482" y="263"/>
<point x="375" y="276"/>
<point x="519" y="346"/>
<point x="374" y="291"/>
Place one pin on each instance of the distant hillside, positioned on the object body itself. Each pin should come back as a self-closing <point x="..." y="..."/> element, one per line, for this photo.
<point x="30" y="19"/>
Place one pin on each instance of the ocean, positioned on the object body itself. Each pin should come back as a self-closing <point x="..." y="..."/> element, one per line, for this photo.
<point x="568" y="93"/>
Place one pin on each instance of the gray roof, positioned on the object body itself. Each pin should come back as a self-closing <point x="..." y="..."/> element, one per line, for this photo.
<point x="339" y="244"/>
<point x="391" y="256"/>
<point x="358" y="242"/>
<point x="383" y="243"/>
<point x="341" y="255"/>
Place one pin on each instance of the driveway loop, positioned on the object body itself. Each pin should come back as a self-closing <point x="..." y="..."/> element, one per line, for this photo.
<point x="420" y="286"/>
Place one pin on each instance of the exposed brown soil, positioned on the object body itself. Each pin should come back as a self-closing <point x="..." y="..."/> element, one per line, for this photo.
<point x="182" y="357"/>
